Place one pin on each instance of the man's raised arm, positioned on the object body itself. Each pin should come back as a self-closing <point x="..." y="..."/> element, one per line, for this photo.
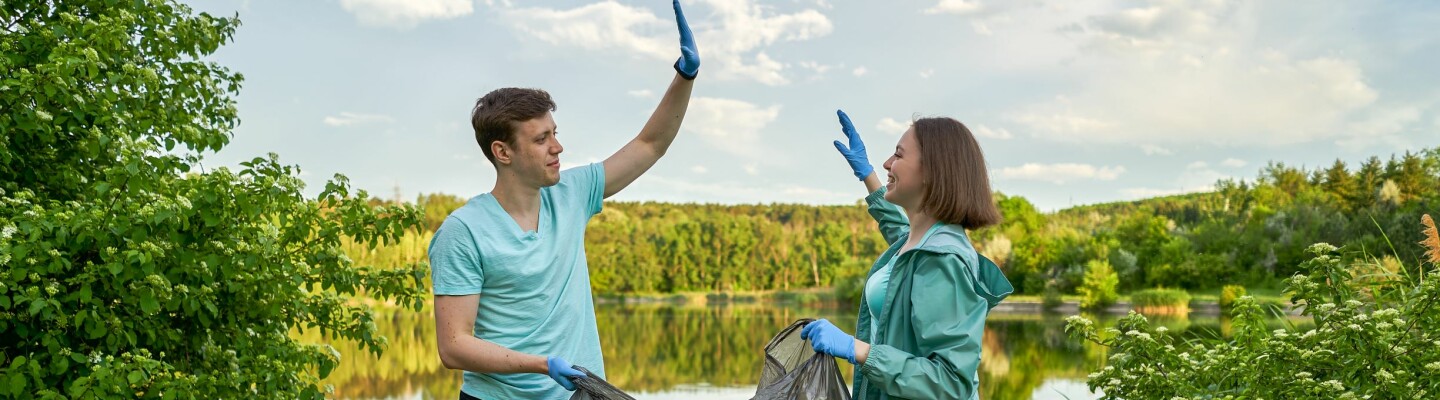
<point x="640" y="154"/>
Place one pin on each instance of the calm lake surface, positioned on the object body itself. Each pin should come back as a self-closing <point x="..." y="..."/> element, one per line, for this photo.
<point x="715" y="352"/>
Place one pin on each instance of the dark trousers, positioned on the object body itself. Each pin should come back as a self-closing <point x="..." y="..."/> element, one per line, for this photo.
<point x="464" y="396"/>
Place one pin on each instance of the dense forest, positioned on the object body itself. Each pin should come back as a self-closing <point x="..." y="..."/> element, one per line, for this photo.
<point x="1250" y="232"/>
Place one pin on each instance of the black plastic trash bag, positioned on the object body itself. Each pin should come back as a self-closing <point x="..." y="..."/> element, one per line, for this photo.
<point x="591" y="387"/>
<point x="793" y="370"/>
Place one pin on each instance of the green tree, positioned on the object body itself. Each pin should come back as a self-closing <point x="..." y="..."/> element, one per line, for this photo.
<point x="1367" y="181"/>
<point x="1098" y="289"/>
<point x="131" y="271"/>
<point x="1340" y="184"/>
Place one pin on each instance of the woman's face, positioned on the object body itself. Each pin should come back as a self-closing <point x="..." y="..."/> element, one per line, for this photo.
<point x="905" y="186"/>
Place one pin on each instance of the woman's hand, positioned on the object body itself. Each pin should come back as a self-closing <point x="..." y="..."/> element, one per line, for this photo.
<point x="825" y="338"/>
<point x="855" y="153"/>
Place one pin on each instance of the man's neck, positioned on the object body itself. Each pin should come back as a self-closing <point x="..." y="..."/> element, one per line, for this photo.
<point x="519" y="200"/>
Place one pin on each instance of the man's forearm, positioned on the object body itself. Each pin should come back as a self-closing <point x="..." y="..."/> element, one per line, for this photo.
<point x="477" y="355"/>
<point x="664" y="123"/>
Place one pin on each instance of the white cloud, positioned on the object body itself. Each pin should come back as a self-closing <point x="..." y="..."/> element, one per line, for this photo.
<point x="1233" y="163"/>
<point x="981" y="28"/>
<point x="987" y="132"/>
<point x="860" y="71"/>
<point x="1151" y="150"/>
<point x="961" y="7"/>
<point x="599" y="26"/>
<point x="1199" y="179"/>
<point x="730" y="125"/>
<point x="1192" y="73"/>
<point x="1383" y="125"/>
<point x="1061" y="121"/>
<point x="347" y="118"/>
<point x="699" y="169"/>
<point x="641" y="93"/>
<point x="818" y="68"/>
<point x="747" y="28"/>
<point x="405" y="14"/>
<point x="733" y="49"/>
<point x="1061" y="172"/>
<point x="892" y="126"/>
<point x="927" y="73"/>
<point x="1198" y="165"/>
<point x="752" y="169"/>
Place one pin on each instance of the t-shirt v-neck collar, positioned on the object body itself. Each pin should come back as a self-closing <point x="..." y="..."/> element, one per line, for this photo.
<point x="515" y="230"/>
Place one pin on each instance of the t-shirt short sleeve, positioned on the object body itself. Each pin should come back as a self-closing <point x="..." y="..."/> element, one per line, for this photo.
<point x="455" y="267"/>
<point x="586" y="185"/>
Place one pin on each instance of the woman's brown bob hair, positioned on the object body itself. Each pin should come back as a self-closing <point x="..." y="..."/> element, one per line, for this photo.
<point x="957" y="185"/>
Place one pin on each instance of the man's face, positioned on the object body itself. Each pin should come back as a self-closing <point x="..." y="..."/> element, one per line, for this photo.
<point x="536" y="153"/>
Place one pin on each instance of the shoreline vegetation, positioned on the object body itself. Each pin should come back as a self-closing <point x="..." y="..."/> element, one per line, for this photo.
<point x="826" y="298"/>
<point x="1245" y="233"/>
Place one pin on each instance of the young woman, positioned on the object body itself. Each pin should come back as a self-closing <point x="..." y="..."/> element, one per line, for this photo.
<point x="927" y="296"/>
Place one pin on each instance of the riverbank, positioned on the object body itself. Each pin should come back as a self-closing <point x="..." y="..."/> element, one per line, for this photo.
<point x="1201" y="303"/>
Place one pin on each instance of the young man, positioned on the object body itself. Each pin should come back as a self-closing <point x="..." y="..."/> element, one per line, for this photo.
<point x="512" y="289"/>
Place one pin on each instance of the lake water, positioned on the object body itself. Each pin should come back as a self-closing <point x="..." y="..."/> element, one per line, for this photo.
<point x="715" y="352"/>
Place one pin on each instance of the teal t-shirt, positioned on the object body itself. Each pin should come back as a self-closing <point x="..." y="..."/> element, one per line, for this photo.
<point x="878" y="286"/>
<point x="534" y="286"/>
<point x="875" y="290"/>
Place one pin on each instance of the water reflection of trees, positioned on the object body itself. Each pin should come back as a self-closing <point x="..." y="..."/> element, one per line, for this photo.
<point x="650" y="348"/>
<point x="411" y="365"/>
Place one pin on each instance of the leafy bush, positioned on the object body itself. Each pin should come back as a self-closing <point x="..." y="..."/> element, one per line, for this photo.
<point x="1228" y="294"/>
<point x="1098" y="289"/>
<point x="128" y="270"/>
<point x="1378" y="342"/>
<point x="1051" y="297"/>
<point x="1127" y="267"/>
<point x="1161" y="301"/>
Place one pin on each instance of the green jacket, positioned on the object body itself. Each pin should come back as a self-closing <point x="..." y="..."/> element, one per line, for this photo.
<point x="928" y="344"/>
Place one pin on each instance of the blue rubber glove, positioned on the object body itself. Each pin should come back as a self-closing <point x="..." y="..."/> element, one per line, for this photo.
<point x="828" y="339"/>
<point x="689" y="63"/>
<point x="855" y="154"/>
<point x="562" y="371"/>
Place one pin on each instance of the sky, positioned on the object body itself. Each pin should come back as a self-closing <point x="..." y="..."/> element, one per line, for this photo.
<point x="1073" y="101"/>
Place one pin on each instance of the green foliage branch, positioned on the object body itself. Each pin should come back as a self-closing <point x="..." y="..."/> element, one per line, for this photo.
<point x="1371" y="342"/>
<point x="129" y="271"/>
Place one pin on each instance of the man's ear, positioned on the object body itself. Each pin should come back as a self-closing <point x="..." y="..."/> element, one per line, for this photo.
<point x="502" y="152"/>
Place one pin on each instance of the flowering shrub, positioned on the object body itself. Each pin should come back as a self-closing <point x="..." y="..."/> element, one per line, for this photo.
<point x="1366" y="344"/>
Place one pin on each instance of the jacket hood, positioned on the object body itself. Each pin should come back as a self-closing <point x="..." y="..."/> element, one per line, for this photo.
<point x="989" y="282"/>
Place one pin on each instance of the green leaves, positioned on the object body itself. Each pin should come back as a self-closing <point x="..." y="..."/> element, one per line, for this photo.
<point x="148" y="304"/>
<point x="1365" y="344"/>
<point x="127" y="274"/>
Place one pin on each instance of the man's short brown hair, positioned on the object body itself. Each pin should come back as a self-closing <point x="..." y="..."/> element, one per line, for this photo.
<point x="957" y="185"/>
<point x="496" y="115"/>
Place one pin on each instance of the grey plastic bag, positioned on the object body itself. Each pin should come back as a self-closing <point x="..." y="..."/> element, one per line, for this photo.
<point x="591" y="387"/>
<point x="793" y="370"/>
